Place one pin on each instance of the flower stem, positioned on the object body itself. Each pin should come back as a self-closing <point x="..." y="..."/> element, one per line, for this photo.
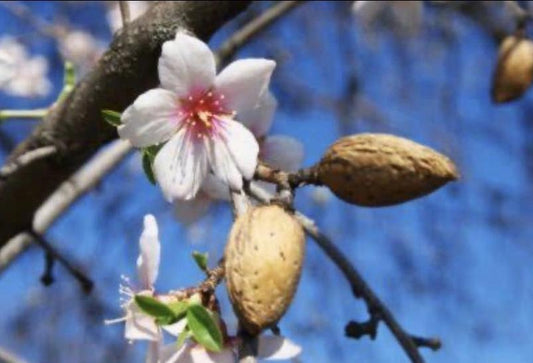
<point x="23" y="114"/>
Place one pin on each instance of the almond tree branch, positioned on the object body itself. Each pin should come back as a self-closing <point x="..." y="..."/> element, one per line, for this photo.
<point x="68" y="193"/>
<point x="74" y="126"/>
<point x="124" y="12"/>
<point x="26" y="159"/>
<point x="87" y="177"/>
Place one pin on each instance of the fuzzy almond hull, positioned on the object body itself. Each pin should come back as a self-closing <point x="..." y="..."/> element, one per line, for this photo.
<point x="263" y="262"/>
<point x="377" y="170"/>
<point x="514" y="71"/>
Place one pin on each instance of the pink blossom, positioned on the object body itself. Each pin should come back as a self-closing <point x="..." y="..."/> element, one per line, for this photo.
<point x="193" y="113"/>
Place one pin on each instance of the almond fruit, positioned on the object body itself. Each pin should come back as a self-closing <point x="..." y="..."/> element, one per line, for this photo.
<point x="263" y="260"/>
<point x="379" y="170"/>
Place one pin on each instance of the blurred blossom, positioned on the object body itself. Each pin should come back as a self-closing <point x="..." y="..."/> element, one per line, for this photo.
<point x="405" y="15"/>
<point x="137" y="8"/>
<point x="81" y="48"/>
<point x="20" y="74"/>
<point x="321" y="196"/>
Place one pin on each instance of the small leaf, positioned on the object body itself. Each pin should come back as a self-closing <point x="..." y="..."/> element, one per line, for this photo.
<point x="112" y="117"/>
<point x="200" y="259"/>
<point x="179" y="308"/>
<point x="69" y="77"/>
<point x="153" y="307"/>
<point x="204" y="328"/>
<point x="186" y="333"/>
<point x="147" y="167"/>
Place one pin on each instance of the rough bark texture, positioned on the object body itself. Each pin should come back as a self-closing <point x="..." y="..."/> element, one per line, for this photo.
<point x="75" y="126"/>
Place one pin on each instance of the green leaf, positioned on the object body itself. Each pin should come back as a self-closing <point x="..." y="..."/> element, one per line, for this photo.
<point x="69" y="77"/>
<point x="154" y="308"/>
<point x="200" y="259"/>
<point x="112" y="117"/>
<point x="147" y="167"/>
<point x="186" y="333"/>
<point x="204" y="328"/>
<point x="179" y="308"/>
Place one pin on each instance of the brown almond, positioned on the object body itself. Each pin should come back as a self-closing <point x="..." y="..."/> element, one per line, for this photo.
<point x="514" y="70"/>
<point x="379" y="170"/>
<point x="263" y="260"/>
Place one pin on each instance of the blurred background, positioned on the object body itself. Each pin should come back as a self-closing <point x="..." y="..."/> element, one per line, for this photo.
<point x="455" y="264"/>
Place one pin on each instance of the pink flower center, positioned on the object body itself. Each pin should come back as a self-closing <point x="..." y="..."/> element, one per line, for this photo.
<point x="201" y="113"/>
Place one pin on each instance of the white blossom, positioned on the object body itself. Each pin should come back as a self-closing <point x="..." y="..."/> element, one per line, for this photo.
<point x="406" y="15"/>
<point x="20" y="74"/>
<point x="269" y="348"/>
<point x="81" y="48"/>
<point x="193" y="113"/>
<point x="279" y="151"/>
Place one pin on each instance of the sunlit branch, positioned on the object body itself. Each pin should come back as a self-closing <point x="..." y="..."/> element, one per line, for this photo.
<point x="124" y="12"/>
<point x="26" y="159"/>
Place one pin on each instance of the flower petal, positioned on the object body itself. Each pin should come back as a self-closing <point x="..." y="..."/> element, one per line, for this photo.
<point x="189" y="211"/>
<point x="152" y="355"/>
<point x="215" y="188"/>
<point x="186" y="65"/>
<point x="139" y="326"/>
<point x="223" y="164"/>
<point x="282" y="152"/>
<point x="277" y="348"/>
<point x="170" y="354"/>
<point x="176" y="328"/>
<point x="243" y="147"/>
<point x="151" y="119"/>
<point x="180" y="166"/>
<point x="200" y="355"/>
<point x="243" y="82"/>
<point x="148" y="261"/>
<point x="259" y="119"/>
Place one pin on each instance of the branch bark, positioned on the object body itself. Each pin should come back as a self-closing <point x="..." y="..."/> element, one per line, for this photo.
<point x="75" y="127"/>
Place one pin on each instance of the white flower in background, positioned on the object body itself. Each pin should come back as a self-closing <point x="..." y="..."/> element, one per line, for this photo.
<point x="20" y="74"/>
<point x="193" y="112"/>
<point x="269" y="348"/>
<point x="81" y="48"/>
<point x="137" y="8"/>
<point x="406" y="15"/>
<point x="279" y="151"/>
<point x="138" y="324"/>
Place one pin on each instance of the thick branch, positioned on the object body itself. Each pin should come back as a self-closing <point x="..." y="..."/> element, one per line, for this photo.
<point x="75" y="126"/>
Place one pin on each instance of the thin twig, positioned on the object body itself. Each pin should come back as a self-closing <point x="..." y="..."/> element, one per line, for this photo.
<point x="85" y="282"/>
<point x="23" y="114"/>
<point x="25" y="159"/>
<point x="377" y="309"/>
<point x="243" y="35"/>
<point x="9" y="357"/>
<point x="124" y="12"/>
<point x="67" y="193"/>
<point x="25" y="13"/>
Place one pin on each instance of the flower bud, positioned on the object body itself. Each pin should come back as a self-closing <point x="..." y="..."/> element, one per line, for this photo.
<point x="514" y="71"/>
<point x="377" y="170"/>
<point x="263" y="261"/>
